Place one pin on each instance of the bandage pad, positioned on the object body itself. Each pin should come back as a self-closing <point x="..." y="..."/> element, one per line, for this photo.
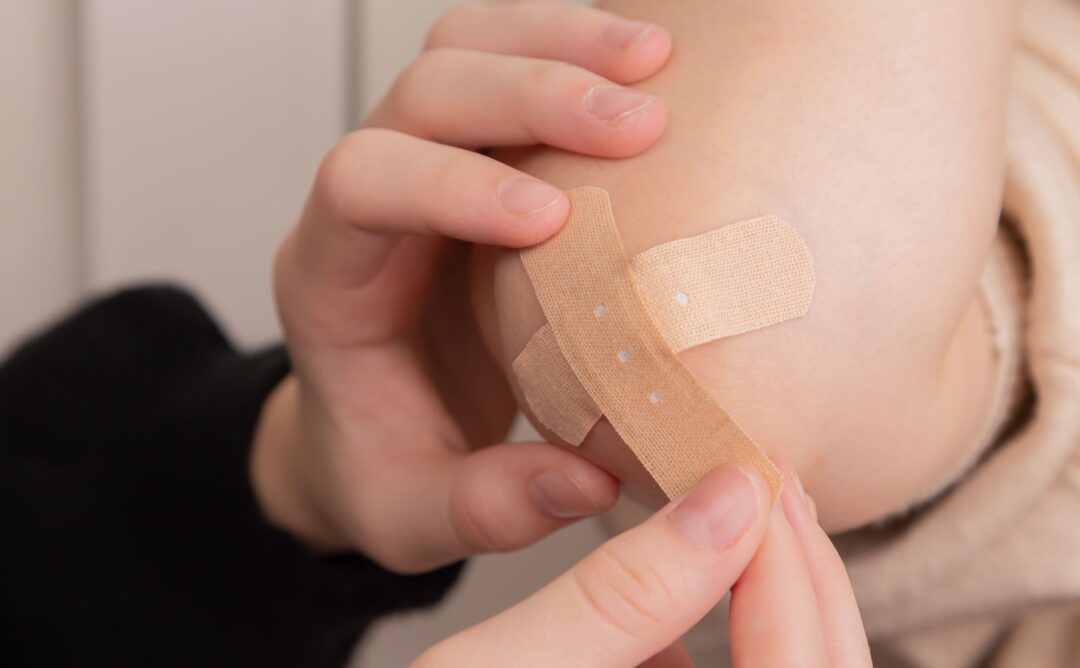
<point x="614" y="326"/>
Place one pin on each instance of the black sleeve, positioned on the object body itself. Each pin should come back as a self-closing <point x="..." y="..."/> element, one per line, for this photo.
<point x="129" y="532"/>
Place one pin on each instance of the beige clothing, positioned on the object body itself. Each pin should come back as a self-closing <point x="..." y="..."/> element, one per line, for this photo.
<point x="987" y="572"/>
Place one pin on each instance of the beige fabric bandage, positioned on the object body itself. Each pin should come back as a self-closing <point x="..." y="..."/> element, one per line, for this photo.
<point x="727" y="281"/>
<point x="614" y="326"/>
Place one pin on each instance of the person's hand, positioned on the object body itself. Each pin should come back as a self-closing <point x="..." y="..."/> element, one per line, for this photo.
<point x="629" y="602"/>
<point x="367" y="445"/>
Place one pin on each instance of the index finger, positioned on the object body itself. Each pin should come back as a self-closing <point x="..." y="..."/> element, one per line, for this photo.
<point x="377" y="185"/>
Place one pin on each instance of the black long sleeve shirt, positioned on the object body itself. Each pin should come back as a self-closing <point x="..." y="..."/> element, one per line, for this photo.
<point x="129" y="532"/>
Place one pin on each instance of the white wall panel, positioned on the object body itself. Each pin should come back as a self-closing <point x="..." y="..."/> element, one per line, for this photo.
<point x="154" y="139"/>
<point x="39" y="240"/>
<point x="204" y="122"/>
<point x="389" y="35"/>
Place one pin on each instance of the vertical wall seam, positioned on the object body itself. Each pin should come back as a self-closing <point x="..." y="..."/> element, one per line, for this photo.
<point x="80" y="54"/>
<point x="352" y="52"/>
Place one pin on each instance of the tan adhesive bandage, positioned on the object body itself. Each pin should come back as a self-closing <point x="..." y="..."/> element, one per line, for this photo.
<point x="740" y="277"/>
<point x="614" y="326"/>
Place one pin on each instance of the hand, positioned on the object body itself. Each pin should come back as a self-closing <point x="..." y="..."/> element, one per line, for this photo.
<point x="367" y="445"/>
<point x="628" y="603"/>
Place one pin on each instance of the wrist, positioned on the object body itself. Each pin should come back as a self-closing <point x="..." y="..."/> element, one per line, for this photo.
<point x="279" y="475"/>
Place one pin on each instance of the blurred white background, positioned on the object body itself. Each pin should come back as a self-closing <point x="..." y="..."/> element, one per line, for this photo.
<point x="145" y="140"/>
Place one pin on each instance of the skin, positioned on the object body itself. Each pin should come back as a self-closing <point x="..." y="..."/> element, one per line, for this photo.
<point x="367" y="446"/>
<point x="626" y="603"/>
<point x="877" y="131"/>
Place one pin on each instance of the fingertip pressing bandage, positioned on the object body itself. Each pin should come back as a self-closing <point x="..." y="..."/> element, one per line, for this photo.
<point x="615" y="324"/>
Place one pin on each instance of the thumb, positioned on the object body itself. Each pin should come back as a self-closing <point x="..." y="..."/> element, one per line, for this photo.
<point x="634" y="595"/>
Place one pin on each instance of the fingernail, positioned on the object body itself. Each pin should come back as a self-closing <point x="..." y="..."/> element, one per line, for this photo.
<point x="720" y="509"/>
<point x="619" y="33"/>
<point x="611" y="103"/>
<point x="523" y="196"/>
<point x="793" y="497"/>
<point x="798" y="483"/>
<point x="559" y="495"/>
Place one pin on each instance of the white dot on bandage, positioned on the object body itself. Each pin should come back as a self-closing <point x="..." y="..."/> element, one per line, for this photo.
<point x="600" y="310"/>
<point x="682" y="298"/>
<point x="655" y="398"/>
<point x="623" y="355"/>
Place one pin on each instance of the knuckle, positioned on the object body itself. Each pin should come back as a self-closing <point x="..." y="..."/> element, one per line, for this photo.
<point x="404" y="99"/>
<point x="450" y="166"/>
<point x="624" y="591"/>
<point x="380" y="543"/>
<point x="480" y="525"/>
<point x="443" y="31"/>
<point x="336" y="179"/>
<point x="548" y="75"/>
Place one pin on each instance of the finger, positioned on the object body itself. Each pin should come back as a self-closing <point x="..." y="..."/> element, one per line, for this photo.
<point x="435" y="511"/>
<point x="377" y="185"/>
<point x="473" y="99"/>
<point x="618" y="48"/>
<point x="845" y="638"/>
<point x="635" y="595"/>
<point x="674" y="656"/>
<point x="773" y="619"/>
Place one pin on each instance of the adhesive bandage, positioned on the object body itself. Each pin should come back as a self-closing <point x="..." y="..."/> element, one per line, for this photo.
<point x="615" y="324"/>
